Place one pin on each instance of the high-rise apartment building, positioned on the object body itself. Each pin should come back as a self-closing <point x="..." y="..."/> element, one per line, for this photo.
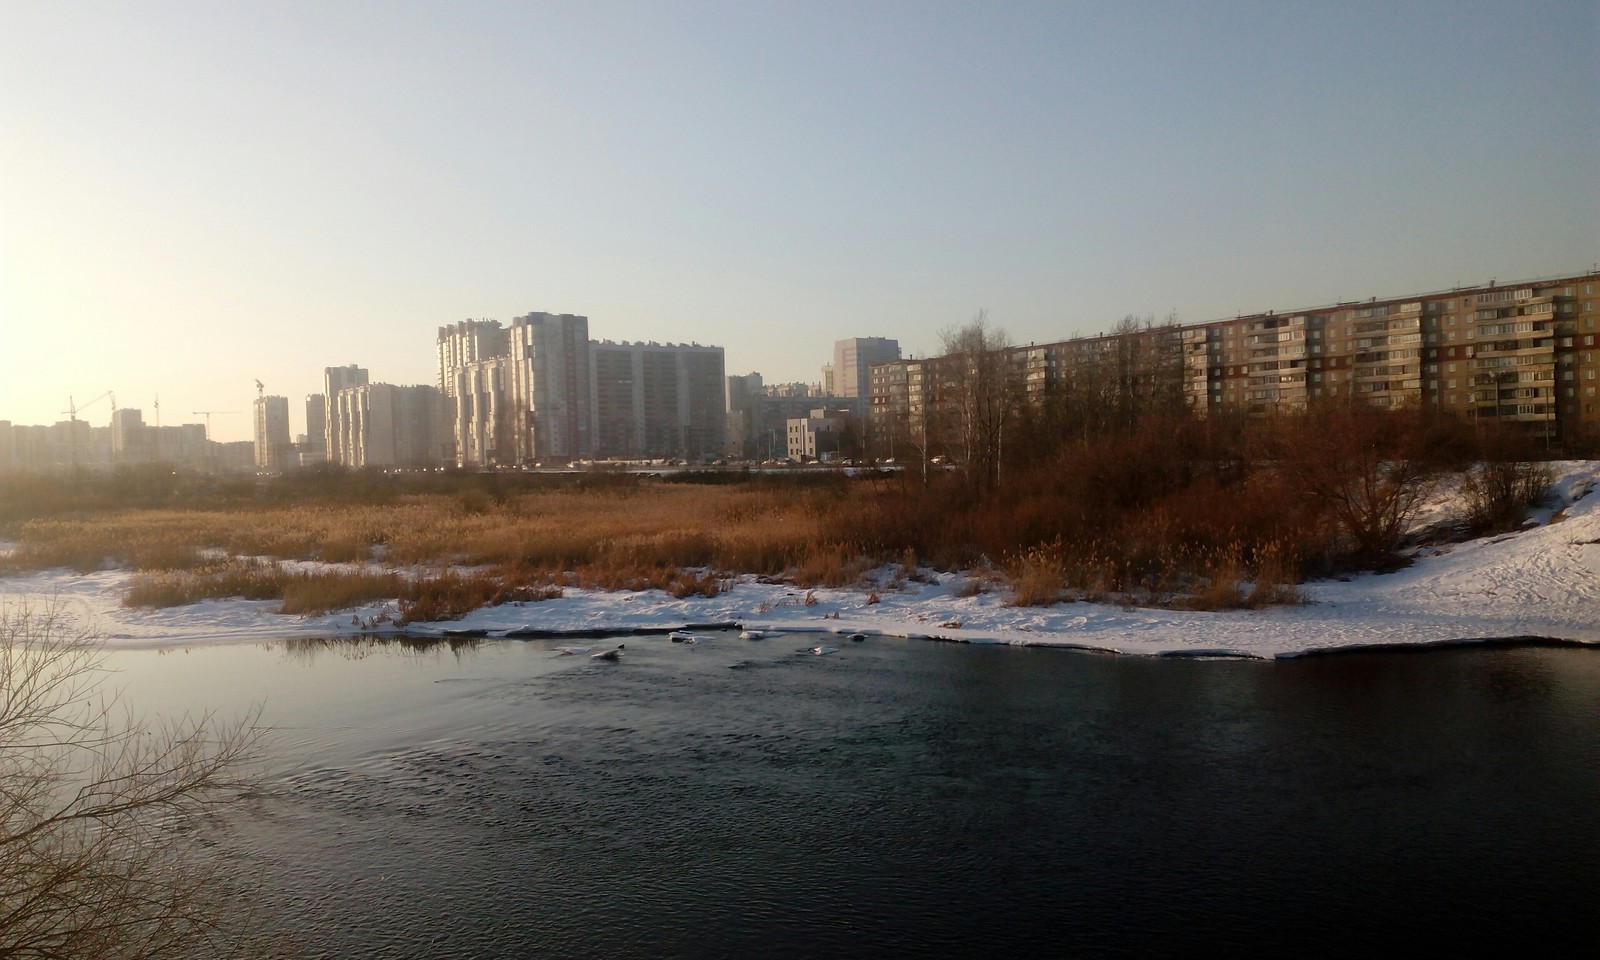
<point x="467" y="342"/>
<point x="658" y="400"/>
<point x="853" y="359"/>
<point x="541" y="391"/>
<point x="392" y="426"/>
<point x="519" y="395"/>
<point x="272" y="444"/>
<point x="315" y="449"/>
<point x="552" y="403"/>
<point x="739" y="398"/>
<point x="337" y="440"/>
<point x="131" y="440"/>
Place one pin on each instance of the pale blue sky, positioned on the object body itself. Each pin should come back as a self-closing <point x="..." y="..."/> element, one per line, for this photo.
<point x="194" y="195"/>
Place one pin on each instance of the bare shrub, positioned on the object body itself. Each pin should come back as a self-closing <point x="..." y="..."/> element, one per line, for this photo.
<point x="1355" y="463"/>
<point x="1499" y="495"/>
<point x="98" y="855"/>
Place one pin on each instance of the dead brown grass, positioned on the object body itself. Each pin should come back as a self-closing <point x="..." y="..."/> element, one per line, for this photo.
<point x="432" y="597"/>
<point x="688" y="540"/>
<point x="1132" y="519"/>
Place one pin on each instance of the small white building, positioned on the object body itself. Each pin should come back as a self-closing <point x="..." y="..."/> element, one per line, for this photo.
<point x="818" y="436"/>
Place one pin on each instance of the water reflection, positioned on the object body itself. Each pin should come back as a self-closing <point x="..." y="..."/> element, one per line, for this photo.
<point x="362" y="647"/>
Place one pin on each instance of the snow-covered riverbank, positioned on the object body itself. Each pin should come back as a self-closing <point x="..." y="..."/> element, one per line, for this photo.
<point x="1543" y="581"/>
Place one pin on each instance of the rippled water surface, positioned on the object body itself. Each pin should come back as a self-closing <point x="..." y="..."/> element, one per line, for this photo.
<point x="902" y="798"/>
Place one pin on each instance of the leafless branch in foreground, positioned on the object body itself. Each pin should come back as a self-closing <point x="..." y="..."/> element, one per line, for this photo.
<point x="99" y="855"/>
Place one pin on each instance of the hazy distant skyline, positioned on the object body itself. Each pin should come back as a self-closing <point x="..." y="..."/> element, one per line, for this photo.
<point x="195" y="195"/>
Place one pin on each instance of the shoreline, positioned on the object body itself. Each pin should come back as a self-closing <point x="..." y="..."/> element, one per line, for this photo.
<point x="1366" y="614"/>
<point x="1539" y="584"/>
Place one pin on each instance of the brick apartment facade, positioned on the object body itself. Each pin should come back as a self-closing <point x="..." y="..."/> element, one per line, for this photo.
<point x="1523" y="353"/>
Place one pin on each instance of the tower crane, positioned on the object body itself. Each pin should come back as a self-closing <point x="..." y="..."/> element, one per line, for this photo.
<point x="72" y="413"/>
<point x="73" y="408"/>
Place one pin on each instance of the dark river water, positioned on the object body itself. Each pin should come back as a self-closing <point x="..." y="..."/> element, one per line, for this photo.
<point x="907" y="798"/>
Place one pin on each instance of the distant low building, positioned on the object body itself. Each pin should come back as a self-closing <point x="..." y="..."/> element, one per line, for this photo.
<point x="824" y="434"/>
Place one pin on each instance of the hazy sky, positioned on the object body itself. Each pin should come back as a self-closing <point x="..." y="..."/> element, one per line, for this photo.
<point x="196" y="195"/>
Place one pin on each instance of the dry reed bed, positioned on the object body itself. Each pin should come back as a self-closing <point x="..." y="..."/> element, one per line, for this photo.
<point x="1191" y="542"/>
<point x="443" y="595"/>
<point x="673" y="539"/>
<point x="748" y="530"/>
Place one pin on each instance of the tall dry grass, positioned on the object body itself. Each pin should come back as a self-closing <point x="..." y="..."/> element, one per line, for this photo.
<point x="1213" y="514"/>
<point x="1078" y="537"/>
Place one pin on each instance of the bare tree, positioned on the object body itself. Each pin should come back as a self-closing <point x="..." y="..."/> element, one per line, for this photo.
<point x="95" y="857"/>
<point x="924" y="418"/>
<point x="1355" y="463"/>
<point x="983" y="391"/>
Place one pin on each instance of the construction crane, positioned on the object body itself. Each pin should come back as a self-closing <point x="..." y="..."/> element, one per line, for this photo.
<point x="72" y="413"/>
<point x="207" y="414"/>
<point x="73" y="408"/>
<point x="261" y="391"/>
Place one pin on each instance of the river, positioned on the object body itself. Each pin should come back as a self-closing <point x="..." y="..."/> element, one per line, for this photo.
<point x="906" y="798"/>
